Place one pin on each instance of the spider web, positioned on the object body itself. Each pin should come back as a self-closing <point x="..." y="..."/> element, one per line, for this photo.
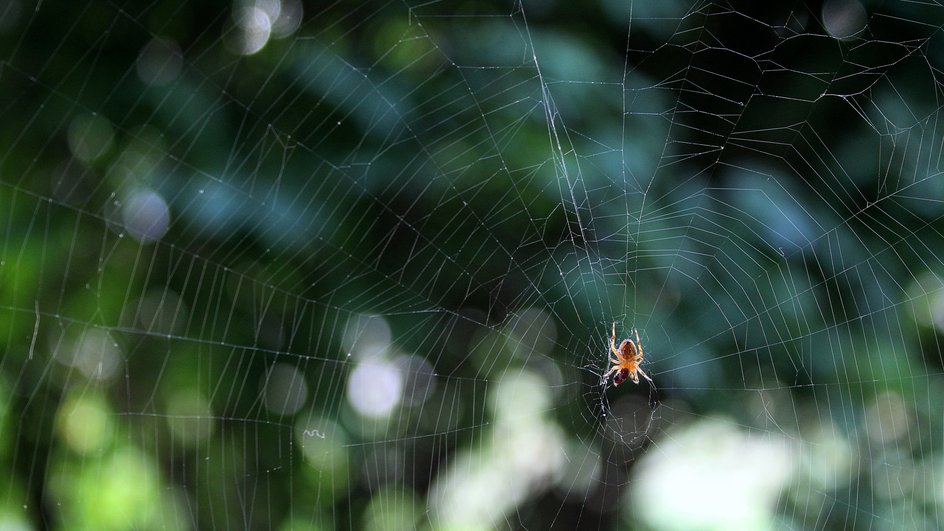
<point x="313" y="267"/>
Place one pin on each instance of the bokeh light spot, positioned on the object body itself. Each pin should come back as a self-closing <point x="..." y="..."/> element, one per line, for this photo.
<point x="84" y="423"/>
<point x="710" y="475"/>
<point x="367" y="336"/>
<point x="284" y="389"/>
<point x="146" y="216"/>
<point x="90" y="137"/>
<point x="843" y="18"/>
<point x="190" y="417"/>
<point x="255" y="28"/>
<point x="374" y="388"/>
<point x="159" y="62"/>
<point x="95" y="353"/>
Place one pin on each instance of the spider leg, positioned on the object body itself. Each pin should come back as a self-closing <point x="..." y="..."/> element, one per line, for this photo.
<point x="607" y="374"/>
<point x="616" y="352"/>
<point x="638" y="343"/>
<point x="613" y="342"/>
<point x="644" y="375"/>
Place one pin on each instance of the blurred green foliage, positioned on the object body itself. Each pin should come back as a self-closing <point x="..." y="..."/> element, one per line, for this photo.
<point x="761" y="199"/>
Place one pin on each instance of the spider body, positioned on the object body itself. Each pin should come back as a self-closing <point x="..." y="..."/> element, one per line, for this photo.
<point x="628" y="357"/>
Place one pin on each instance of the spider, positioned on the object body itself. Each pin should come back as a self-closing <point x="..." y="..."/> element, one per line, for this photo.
<point x="627" y="361"/>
